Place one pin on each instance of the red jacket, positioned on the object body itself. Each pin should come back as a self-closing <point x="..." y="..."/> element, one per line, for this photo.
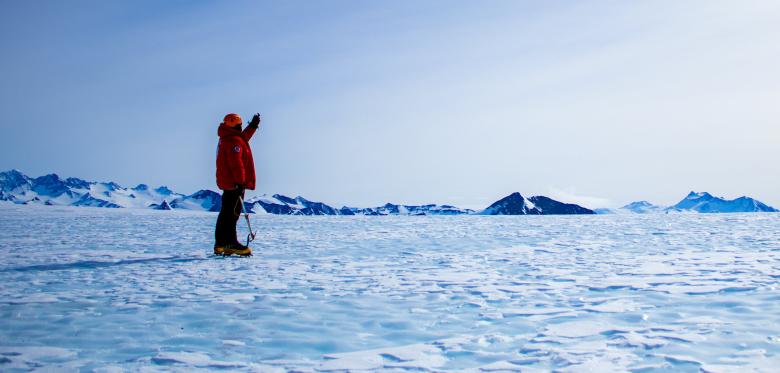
<point x="234" y="158"/>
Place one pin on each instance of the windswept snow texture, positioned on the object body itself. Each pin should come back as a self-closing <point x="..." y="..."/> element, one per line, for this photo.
<point x="111" y="289"/>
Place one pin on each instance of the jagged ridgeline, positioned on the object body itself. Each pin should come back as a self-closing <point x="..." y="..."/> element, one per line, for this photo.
<point x="53" y="190"/>
<point x="16" y="187"/>
<point x="694" y="202"/>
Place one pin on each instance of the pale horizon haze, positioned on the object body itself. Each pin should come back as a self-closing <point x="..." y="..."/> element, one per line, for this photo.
<point x="599" y="103"/>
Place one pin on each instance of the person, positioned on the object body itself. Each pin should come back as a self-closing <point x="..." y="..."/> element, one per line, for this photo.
<point x="235" y="174"/>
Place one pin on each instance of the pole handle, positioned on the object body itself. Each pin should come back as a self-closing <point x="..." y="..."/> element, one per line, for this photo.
<point x="251" y="236"/>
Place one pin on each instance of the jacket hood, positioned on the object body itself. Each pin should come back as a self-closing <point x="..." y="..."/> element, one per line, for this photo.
<point x="224" y="131"/>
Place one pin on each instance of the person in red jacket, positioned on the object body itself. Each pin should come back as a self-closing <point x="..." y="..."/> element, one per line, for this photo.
<point x="235" y="174"/>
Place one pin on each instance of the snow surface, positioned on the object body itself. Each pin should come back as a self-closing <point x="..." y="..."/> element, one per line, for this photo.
<point x="115" y="289"/>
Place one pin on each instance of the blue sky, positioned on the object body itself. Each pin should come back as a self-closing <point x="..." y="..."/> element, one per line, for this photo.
<point x="600" y="103"/>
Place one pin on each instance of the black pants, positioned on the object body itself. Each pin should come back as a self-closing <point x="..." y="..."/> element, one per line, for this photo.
<point x="225" y="233"/>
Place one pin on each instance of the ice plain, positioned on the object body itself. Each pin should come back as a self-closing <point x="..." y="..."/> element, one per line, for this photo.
<point x="118" y="289"/>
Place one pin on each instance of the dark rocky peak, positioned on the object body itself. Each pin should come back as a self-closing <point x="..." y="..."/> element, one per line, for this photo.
<point x="76" y="183"/>
<point x="164" y="190"/>
<point x="12" y="179"/>
<point x="205" y="194"/>
<point x="549" y="206"/>
<point x="285" y="199"/>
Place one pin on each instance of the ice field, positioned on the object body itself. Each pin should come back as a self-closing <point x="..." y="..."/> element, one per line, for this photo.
<point x="116" y="289"/>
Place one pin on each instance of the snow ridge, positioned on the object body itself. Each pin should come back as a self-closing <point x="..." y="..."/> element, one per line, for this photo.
<point x="52" y="190"/>
<point x="706" y="203"/>
<point x="282" y="205"/>
<point x="694" y="202"/>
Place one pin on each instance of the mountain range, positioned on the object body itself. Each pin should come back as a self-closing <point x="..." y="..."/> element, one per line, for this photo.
<point x="19" y="188"/>
<point x="707" y="203"/>
<point x="51" y="189"/>
<point x="701" y="202"/>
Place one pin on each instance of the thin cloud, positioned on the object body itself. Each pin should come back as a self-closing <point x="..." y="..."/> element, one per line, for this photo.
<point x="571" y="196"/>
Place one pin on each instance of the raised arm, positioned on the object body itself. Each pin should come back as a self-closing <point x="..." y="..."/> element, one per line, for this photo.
<point x="254" y="124"/>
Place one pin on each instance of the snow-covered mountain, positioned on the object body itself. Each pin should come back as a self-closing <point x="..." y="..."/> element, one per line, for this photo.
<point x="204" y="200"/>
<point x="53" y="190"/>
<point x="393" y="209"/>
<point x="642" y="207"/>
<point x="694" y="202"/>
<point x="283" y="205"/>
<point x="513" y="204"/>
<point x="706" y="203"/>
<point x="50" y="189"/>
<point x="638" y="207"/>
<point x="516" y="204"/>
<point x="549" y="206"/>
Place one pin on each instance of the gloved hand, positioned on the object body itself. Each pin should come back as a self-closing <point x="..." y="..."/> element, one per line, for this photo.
<point x="240" y="187"/>
<point x="255" y="122"/>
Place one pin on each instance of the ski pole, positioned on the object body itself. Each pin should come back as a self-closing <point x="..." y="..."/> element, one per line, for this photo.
<point x="251" y="236"/>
